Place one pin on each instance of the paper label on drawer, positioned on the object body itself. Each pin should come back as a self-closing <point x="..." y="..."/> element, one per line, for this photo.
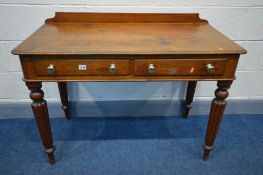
<point x="82" y="67"/>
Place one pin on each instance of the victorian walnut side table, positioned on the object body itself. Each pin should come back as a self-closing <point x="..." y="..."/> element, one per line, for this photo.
<point x="81" y="47"/>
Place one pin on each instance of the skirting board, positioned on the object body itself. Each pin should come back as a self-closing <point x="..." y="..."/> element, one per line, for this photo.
<point x="130" y="108"/>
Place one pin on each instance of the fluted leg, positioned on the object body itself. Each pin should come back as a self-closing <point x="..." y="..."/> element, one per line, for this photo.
<point x="216" y="113"/>
<point x="62" y="86"/>
<point x="39" y="106"/>
<point x="189" y="97"/>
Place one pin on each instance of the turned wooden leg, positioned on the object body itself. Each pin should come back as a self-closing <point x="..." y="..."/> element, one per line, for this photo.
<point x="39" y="106"/>
<point x="216" y="113"/>
<point x="62" y="86"/>
<point x="189" y="97"/>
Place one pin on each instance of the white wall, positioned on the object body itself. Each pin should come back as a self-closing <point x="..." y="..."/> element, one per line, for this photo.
<point x="241" y="20"/>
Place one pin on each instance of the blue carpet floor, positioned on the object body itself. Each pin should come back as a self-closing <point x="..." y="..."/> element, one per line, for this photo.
<point x="131" y="146"/>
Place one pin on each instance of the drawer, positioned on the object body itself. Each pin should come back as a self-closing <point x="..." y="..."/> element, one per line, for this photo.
<point x="180" y="67"/>
<point x="80" y="67"/>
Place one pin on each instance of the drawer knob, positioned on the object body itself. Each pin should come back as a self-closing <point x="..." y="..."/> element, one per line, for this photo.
<point x="112" y="68"/>
<point x="51" y="69"/>
<point x="151" y="68"/>
<point x="210" y="68"/>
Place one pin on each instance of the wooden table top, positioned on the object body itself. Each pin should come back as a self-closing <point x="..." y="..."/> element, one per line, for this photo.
<point x="126" y="34"/>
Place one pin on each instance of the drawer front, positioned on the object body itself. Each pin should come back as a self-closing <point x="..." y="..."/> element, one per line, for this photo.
<point x="180" y="67"/>
<point x="80" y="67"/>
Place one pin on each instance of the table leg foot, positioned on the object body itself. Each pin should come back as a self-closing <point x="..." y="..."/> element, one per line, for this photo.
<point x="207" y="150"/>
<point x="51" y="155"/>
<point x="187" y="110"/>
<point x="66" y="111"/>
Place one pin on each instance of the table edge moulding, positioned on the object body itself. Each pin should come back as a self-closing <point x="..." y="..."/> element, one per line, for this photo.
<point x="122" y="47"/>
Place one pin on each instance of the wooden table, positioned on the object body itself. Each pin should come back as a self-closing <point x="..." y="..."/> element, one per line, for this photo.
<point x="127" y="47"/>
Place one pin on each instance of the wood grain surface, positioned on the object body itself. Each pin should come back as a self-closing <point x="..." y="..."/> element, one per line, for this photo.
<point x="127" y="34"/>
